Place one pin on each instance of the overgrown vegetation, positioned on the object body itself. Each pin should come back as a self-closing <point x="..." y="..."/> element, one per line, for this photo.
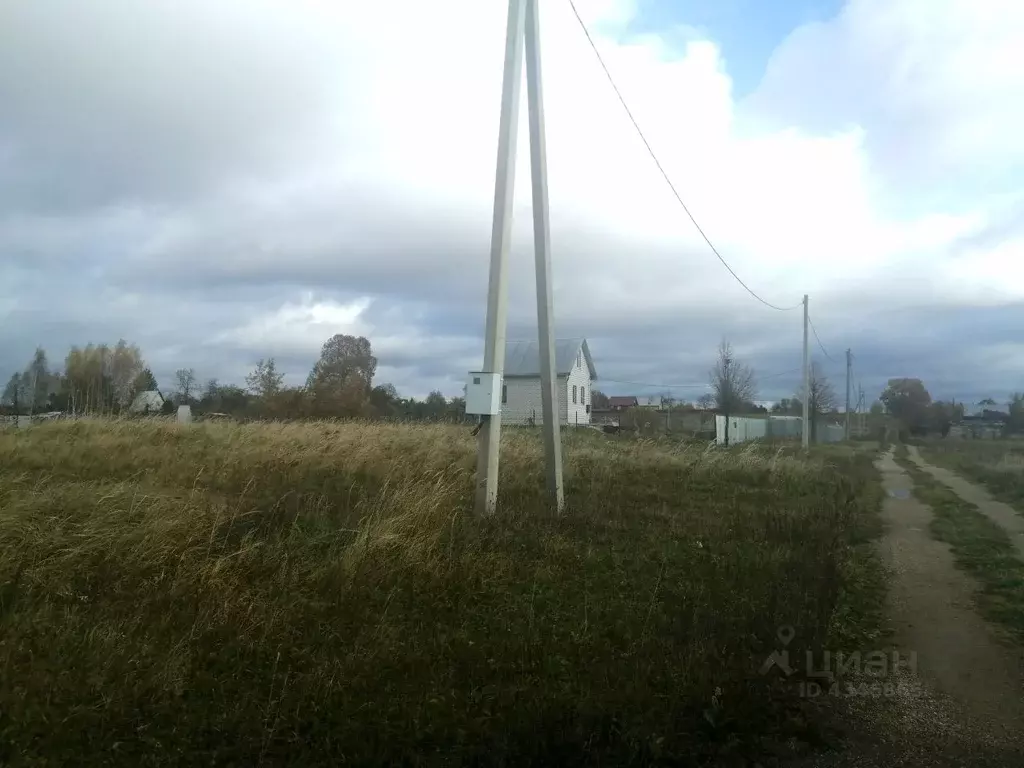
<point x="996" y="464"/>
<point x="981" y="546"/>
<point x="318" y="595"/>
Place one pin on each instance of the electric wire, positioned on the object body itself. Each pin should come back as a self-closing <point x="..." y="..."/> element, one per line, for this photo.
<point x="664" y="174"/>
<point x="818" y="339"/>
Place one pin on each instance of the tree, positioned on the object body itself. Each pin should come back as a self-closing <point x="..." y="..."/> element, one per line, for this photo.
<point x="822" y="398"/>
<point x="232" y="399"/>
<point x="210" y="400"/>
<point x="265" y="381"/>
<point x="125" y="367"/>
<point x="789" y="406"/>
<point x="385" y="401"/>
<point x="100" y="378"/>
<point x="16" y="391"/>
<point x="436" y="406"/>
<point x="908" y="401"/>
<point x="38" y="378"/>
<point x="598" y="400"/>
<point x="1016" y="421"/>
<point x="706" y="401"/>
<point x="341" y="379"/>
<point x="941" y="416"/>
<point x="186" y="379"/>
<point x="145" y="381"/>
<point x="732" y="383"/>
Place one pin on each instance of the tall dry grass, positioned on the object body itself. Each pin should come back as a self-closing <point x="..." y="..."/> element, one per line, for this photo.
<point x="321" y="595"/>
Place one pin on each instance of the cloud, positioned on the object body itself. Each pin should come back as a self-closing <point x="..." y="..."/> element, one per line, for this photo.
<point x="930" y="84"/>
<point x="225" y="183"/>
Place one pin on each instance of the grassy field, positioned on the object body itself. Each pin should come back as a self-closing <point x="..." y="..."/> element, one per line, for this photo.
<point x="980" y="545"/>
<point x="320" y="595"/>
<point x="996" y="464"/>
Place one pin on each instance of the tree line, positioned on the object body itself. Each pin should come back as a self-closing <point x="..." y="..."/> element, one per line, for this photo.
<point x="104" y="379"/>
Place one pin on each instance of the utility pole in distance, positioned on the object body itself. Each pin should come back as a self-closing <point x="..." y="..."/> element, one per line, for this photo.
<point x="483" y="394"/>
<point x="849" y="365"/>
<point x="805" y="437"/>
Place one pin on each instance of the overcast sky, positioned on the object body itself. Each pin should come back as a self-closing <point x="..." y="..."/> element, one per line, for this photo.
<point x="223" y="181"/>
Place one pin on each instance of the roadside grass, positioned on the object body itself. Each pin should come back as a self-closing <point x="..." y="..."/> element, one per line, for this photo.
<point x="981" y="547"/>
<point x="319" y="594"/>
<point x="997" y="465"/>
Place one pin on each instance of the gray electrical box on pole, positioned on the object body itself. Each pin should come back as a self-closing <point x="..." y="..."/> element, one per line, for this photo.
<point x="523" y="26"/>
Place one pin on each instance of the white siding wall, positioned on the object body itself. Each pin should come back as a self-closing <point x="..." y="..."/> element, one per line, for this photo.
<point x="579" y="377"/>
<point x="524" y="400"/>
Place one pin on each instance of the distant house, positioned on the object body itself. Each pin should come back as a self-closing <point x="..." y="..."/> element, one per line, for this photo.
<point x="985" y="420"/>
<point x="987" y="412"/>
<point x="147" y="402"/>
<point x="622" y="402"/>
<point x="654" y="401"/>
<point x="521" y="390"/>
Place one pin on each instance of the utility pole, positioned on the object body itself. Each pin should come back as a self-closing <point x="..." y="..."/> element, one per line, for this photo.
<point x="542" y="257"/>
<point x="806" y="434"/>
<point x="523" y="26"/>
<point x="849" y="365"/>
<point x="860" y="411"/>
<point x="489" y="436"/>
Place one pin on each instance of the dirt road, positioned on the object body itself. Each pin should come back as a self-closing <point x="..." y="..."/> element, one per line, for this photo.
<point x="963" y="705"/>
<point x="1002" y="514"/>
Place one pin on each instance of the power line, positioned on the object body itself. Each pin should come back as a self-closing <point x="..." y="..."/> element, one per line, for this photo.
<point x="815" y="330"/>
<point x="664" y="174"/>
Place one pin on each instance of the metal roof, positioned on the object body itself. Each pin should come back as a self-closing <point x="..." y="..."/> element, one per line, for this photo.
<point x="522" y="358"/>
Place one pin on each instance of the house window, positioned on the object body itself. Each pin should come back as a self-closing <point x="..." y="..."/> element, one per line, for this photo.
<point x="583" y="395"/>
<point x="504" y="393"/>
<point x="574" y="394"/>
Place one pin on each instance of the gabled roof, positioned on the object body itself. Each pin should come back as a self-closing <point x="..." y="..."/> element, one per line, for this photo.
<point x="150" y="398"/>
<point x="522" y="358"/>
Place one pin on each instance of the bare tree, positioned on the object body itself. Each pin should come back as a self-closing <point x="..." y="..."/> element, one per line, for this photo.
<point x="186" y="378"/>
<point x="822" y="398"/>
<point x="732" y="383"/>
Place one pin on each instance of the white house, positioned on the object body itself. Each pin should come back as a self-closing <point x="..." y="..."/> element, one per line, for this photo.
<point x="149" y="401"/>
<point x="520" y="394"/>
